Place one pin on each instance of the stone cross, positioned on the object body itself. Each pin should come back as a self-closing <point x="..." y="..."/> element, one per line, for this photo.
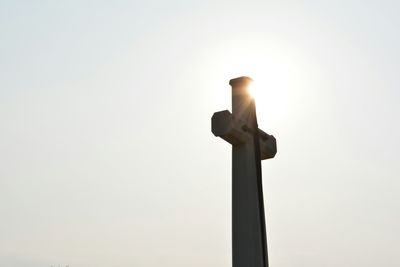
<point x="250" y="145"/>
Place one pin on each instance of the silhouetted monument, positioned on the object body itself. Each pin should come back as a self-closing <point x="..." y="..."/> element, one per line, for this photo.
<point x="250" y="145"/>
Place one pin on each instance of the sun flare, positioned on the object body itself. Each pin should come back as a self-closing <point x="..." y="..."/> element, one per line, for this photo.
<point x="276" y="76"/>
<point x="254" y="90"/>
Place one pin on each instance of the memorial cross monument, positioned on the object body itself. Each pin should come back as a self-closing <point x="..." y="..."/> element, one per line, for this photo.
<point x="250" y="145"/>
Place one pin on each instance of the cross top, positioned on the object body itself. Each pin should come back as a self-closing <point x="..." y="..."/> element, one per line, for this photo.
<point x="241" y="125"/>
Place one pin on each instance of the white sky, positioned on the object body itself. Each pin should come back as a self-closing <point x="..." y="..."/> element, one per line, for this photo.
<point x="106" y="152"/>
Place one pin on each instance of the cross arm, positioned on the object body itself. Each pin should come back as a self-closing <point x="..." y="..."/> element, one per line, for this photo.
<point x="236" y="132"/>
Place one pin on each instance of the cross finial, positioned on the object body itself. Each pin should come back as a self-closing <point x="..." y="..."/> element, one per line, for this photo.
<point x="240" y="81"/>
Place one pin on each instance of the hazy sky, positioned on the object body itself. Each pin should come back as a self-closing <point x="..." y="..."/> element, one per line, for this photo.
<point x="106" y="153"/>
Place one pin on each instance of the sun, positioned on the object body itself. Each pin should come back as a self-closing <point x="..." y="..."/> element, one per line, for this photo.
<point x="255" y="90"/>
<point x="281" y="76"/>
